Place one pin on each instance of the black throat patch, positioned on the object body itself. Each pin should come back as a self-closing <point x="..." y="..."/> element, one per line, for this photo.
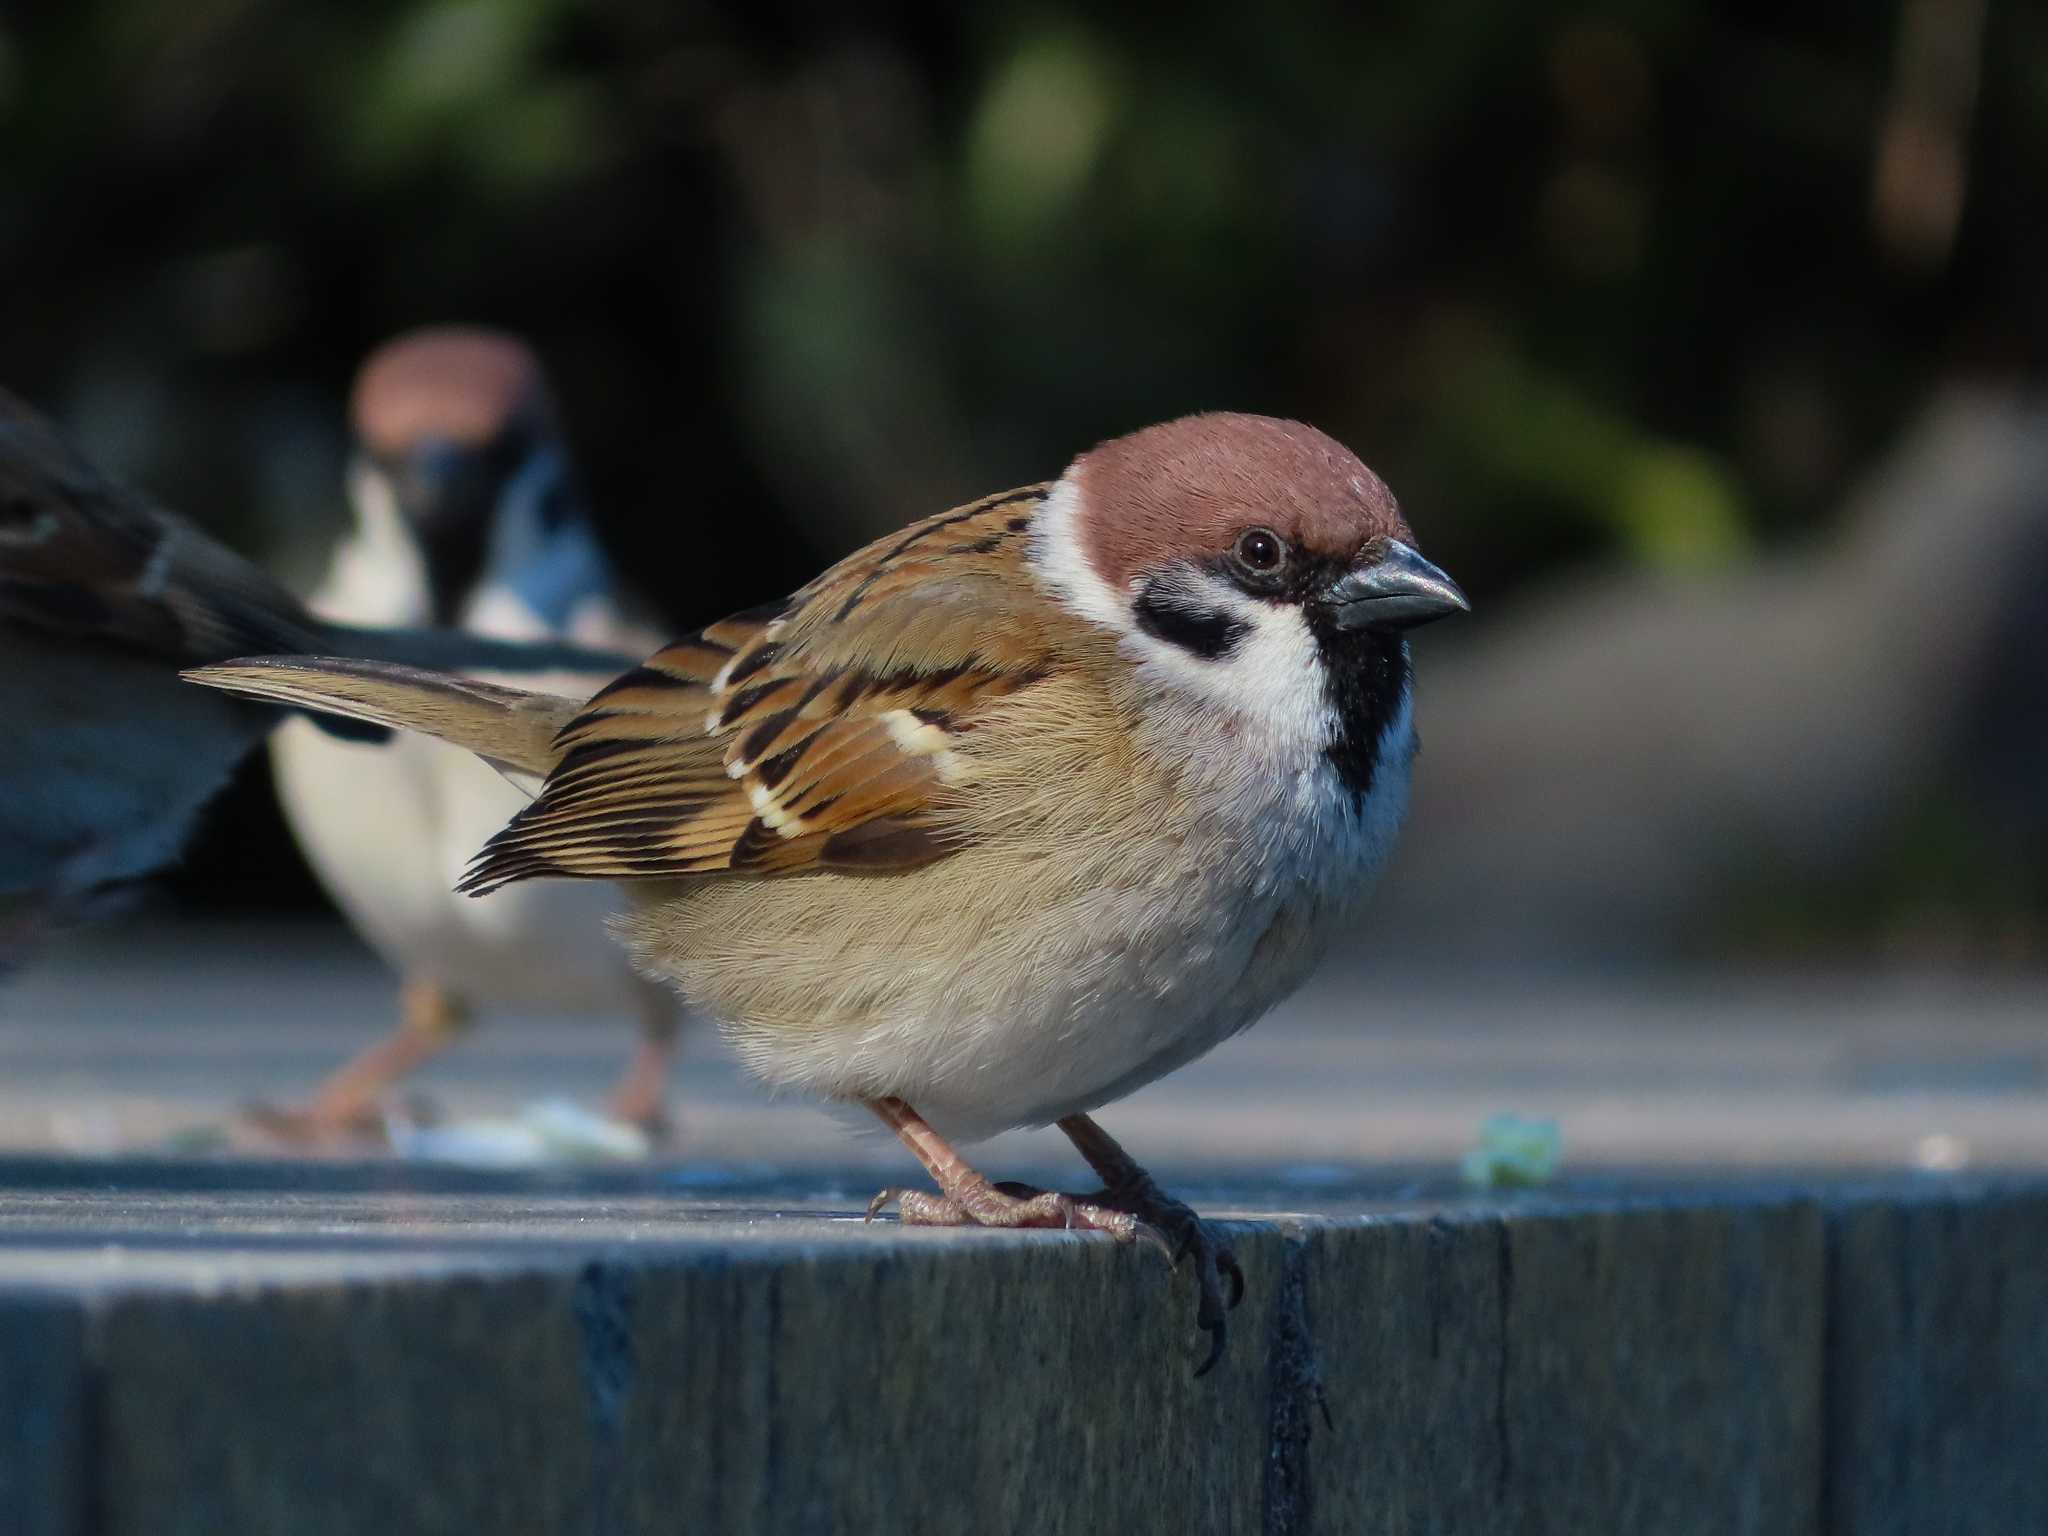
<point x="1366" y="676"/>
<point x="1365" y="672"/>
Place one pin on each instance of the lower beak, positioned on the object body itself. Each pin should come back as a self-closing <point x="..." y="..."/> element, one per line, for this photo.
<point x="1398" y="591"/>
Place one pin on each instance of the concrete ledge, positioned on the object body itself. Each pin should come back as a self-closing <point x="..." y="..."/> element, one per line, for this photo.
<point x="340" y="1352"/>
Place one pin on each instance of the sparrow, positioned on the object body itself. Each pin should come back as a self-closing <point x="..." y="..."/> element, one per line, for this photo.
<point x="108" y="758"/>
<point x="467" y="514"/>
<point x="1005" y="815"/>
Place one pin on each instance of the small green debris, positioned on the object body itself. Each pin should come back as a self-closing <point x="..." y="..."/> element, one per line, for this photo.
<point x="198" y="1141"/>
<point x="1514" y="1153"/>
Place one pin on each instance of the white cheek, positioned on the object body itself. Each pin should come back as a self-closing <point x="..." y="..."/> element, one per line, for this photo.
<point x="1063" y="567"/>
<point x="1270" y="682"/>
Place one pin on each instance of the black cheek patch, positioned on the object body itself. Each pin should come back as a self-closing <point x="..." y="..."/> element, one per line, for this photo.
<point x="1208" y="635"/>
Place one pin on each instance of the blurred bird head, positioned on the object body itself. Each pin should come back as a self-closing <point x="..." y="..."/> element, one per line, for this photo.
<point x="456" y="442"/>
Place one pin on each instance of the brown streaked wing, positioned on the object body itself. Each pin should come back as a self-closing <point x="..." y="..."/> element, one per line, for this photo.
<point x="821" y="732"/>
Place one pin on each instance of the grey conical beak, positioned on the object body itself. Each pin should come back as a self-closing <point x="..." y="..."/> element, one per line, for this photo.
<point x="1398" y="591"/>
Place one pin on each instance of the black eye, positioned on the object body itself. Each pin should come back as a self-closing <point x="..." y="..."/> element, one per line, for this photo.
<point x="1261" y="550"/>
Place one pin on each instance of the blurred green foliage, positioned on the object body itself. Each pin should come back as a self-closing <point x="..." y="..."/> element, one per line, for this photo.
<point x="1593" y="280"/>
<point x="1617" y="280"/>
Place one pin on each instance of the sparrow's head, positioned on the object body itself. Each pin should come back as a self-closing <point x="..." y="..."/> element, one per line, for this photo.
<point x="1256" y="564"/>
<point x="454" y="434"/>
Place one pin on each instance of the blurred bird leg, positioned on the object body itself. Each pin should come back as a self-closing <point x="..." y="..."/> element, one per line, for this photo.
<point x="348" y="1104"/>
<point x="641" y="1095"/>
<point x="1130" y="1206"/>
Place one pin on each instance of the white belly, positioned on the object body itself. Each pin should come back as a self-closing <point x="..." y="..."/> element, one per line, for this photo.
<point x="992" y="990"/>
<point x="389" y="828"/>
<point x="1083" y="1036"/>
<point x="1151" y="978"/>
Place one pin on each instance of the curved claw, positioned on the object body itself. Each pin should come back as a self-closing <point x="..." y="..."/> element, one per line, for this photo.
<point x="1129" y="1209"/>
<point x="1226" y="1261"/>
<point x="1213" y="1265"/>
<point x="881" y="1202"/>
<point x="1144" y="1232"/>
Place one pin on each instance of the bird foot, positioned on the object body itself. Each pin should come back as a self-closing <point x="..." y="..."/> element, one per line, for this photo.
<point x="317" y="1127"/>
<point x="641" y="1100"/>
<point x="652" y="1121"/>
<point x="1137" y="1214"/>
<point x="1191" y="1238"/>
<point x="974" y="1202"/>
<point x="1130" y="1207"/>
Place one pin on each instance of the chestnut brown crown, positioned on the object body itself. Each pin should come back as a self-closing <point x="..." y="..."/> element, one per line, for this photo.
<point x="1189" y="489"/>
<point x="461" y="385"/>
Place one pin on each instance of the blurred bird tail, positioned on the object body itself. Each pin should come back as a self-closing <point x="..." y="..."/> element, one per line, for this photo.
<point x="458" y="650"/>
<point x="509" y="728"/>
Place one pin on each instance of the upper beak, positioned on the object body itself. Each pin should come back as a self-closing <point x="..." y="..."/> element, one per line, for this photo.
<point x="1398" y="591"/>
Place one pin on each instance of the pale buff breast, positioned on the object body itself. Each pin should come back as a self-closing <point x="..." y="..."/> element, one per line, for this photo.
<point x="1118" y="913"/>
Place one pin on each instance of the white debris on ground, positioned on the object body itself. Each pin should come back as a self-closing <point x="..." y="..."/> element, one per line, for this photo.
<point x="1939" y="1152"/>
<point x="552" y="1131"/>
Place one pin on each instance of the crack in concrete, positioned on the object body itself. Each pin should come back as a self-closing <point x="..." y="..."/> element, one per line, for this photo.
<point x="1437" y="1240"/>
<point x="1504" y="1287"/>
<point x="1835" y="1419"/>
<point x="1295" y="1391"/>
<point x="602" y="1304"/>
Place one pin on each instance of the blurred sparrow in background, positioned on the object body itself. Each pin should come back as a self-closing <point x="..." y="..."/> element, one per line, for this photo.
<point x="107" y="757"/>
<point x="1005" y="815"/>
<point x="466" y="514"/>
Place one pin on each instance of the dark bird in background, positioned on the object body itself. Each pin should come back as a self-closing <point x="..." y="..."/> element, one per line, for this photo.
<point x="106" y="758"/>
<point x="467" y="513"/>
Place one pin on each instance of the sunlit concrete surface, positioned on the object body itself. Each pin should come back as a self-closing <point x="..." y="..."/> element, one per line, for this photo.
<point x="138" y="1038"/>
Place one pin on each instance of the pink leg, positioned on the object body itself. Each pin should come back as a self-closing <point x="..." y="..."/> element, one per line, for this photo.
<point x="967" y="1199"/>
<point x="641" y="1095"/>
<point x="347" y="1103"/>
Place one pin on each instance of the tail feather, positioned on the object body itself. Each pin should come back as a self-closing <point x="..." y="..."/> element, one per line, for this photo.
<point x="510" y="728"/>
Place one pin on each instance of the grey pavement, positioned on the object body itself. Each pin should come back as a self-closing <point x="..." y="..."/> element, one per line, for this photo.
<point x="1788" y="1280"/>
<point x="143" y="1037"/>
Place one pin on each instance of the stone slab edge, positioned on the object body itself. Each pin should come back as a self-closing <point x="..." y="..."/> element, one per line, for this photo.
<point x="1863" y="1359"/>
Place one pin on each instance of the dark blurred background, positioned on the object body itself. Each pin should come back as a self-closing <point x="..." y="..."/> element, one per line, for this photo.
<point x="1631" y="301"/>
